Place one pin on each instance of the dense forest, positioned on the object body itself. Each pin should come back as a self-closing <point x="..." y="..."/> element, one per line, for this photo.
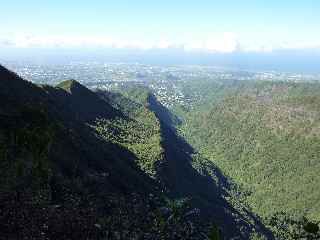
<point x="61" y="179"/>
<point x="240" y="162"/>
<point x="265" y="137"/>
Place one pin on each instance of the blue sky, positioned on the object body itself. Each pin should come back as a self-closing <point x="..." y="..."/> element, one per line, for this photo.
<point x="218" y="26"/>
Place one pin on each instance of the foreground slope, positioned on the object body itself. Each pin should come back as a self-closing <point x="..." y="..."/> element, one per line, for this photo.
<point x="59" y="179"/>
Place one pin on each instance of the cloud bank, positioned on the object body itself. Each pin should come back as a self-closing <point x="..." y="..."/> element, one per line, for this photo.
<point x="224" y="43"/>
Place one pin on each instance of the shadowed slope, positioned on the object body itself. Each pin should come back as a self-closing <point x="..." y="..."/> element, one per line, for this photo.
<point x="183" y="180"/>
<point x="178" y="175"/>
<point x="50" y="157"/>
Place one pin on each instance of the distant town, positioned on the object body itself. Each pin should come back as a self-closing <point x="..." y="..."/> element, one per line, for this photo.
<point x="164" y="81"/>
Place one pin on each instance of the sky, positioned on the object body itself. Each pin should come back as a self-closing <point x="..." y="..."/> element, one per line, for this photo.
<point x="204" y="25"/>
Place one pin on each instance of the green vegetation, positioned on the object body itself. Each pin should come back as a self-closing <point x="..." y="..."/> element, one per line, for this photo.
<point x="60" y="178"/>
<point x="139" y="132"/>
<point x="24" y="151"/>
<point x="112" y="165"/>
<point x="265" y="136"/>
<point x="140" y="137"/>
<point x="165" y="156"/>
<point x="67" y="85"/>
<point x="298" y="228"/>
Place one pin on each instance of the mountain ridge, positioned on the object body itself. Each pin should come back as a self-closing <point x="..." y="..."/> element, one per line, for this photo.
<point x="178" y="175"/>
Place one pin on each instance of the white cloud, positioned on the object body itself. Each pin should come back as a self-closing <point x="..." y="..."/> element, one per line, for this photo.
<point x="37" y="41"/>
<point x="224" y="43"/>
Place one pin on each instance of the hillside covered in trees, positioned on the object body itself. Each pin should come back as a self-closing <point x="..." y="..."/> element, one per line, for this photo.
<point x="77" y="164"/>
<point x="265" y="137"/>
<point x="239" y="163"/>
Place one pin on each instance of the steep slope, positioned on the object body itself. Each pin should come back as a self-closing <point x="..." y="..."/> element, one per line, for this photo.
<point x="85" y="102"/>
<point x="180" y="171"/>
<point x="59" y="179"/>
<point x="265" y="136"/>
<point x="60" y="107"/>
<point x="139" y="131"/>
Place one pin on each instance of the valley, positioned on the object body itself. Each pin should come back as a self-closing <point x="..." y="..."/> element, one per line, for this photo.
<point x="234" y="155"/>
